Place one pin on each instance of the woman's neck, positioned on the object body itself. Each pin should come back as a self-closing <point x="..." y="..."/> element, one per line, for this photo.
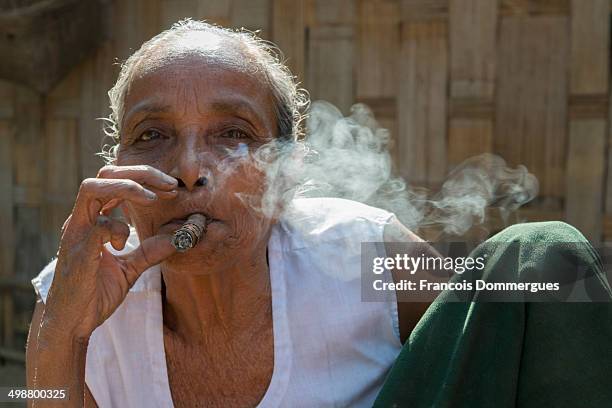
<point x="225" y="303"/>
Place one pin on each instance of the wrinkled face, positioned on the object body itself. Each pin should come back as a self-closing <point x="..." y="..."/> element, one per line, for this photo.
<point x="199" y="120"/>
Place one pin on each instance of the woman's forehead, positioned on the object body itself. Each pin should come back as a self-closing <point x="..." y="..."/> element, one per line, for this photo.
<point x="199" y="83"/>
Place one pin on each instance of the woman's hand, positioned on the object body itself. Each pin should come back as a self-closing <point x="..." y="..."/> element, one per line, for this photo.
<point x="90" y="282"/>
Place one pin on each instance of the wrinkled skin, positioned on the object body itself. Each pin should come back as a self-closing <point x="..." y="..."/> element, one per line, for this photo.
<point x="190" y="126"/>
<point x="199" y="135"/>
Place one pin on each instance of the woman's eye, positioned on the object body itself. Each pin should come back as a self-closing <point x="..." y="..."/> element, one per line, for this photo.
<point x="150" y="135"/>
<point x="235" y="134"/>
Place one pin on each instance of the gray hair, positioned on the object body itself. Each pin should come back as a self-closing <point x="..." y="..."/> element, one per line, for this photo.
<point x="291" y="101"/>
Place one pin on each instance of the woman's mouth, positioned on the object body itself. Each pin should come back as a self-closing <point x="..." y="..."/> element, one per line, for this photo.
<point x="174" y="224"/>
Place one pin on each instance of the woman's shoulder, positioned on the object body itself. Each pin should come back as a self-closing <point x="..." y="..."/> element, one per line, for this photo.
<point x="337" y="208"/>
<point x="312" y="221"/>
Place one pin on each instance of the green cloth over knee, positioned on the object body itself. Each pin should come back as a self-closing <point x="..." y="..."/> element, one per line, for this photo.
<point x="523" y="354"/>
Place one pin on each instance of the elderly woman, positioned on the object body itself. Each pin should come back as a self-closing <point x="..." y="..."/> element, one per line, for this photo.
<point x="251" y="316"/>
<point x="266" y="310"/>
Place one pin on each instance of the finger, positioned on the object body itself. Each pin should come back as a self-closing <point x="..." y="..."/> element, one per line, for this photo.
<point x="120" y="233"/>
<point x="151" y="251"/>
<point x="99" y="234"/>
<point x="143" y="174"/>
<point x="94" y="193"/>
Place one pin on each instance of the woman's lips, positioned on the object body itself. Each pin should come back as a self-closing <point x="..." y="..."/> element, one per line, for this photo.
<point x="171" y="226"/>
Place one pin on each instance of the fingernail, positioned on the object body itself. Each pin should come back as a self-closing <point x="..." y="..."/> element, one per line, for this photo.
<point x="170" y="181"/>
<point x="151" y="195"/>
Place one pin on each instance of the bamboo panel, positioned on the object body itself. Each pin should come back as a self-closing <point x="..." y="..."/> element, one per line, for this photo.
<point x="252" y="15"/>
<point x="422" y="102"/>
<point x="330" y="65"/>
<point x="424" y="10"/>
<point x="61" y="178"/>
<point x="608" y="186"/>
<point x="535" y="7"/>
<point x="326" y="12"/>
<point x="28" y="151"/>
<point x="215" y="11"/>
<point x="7" y="238"/>
<point x="135" y="21"/>
<point x="288" y="27"/>
<point x="379" y="37"/>
<point x="590" y="47"/>
<point x="96" y="80"/>
<point x="531" y="102"/>
<point x="473" y="27"/>
<point x="7" y="96"/>
<point x="585" y="172"/>
<point x="467" y="138"/>
<point x="171" y="11"/>
<point x="7" y="243"/>
<point x="64" y="101"/>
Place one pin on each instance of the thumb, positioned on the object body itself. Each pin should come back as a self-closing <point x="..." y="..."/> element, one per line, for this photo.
<point x="151" y="251"/>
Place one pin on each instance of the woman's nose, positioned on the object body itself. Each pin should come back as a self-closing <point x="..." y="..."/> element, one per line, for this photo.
<point x="188" y="170"/>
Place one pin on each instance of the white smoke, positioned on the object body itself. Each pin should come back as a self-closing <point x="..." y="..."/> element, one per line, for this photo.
<point x="348" y="157"/>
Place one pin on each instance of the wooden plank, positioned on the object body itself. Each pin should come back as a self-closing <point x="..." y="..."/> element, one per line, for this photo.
<point x="531" y="98"/>
<point x="585" y="177"/>
<point x="29" y="254"/>
<point x="326" y="12"/>
<point x="473" y="28"/>
<point x="608" y="197"/>
<point x="136" y="21"/>
<point x="64" y="101"/>
<point x="254" y="15"/>
<point x="7" y="97"/>
<point x="467" y="138"/>
<point x="96" y="79"/>
<point x="590" y="36"/>
<point x="330" y="65"/>
<point x="172" y="11"/>
<point x="7" y="220"/>
<point x="7" y="243"/>
<point x="424" y="10"/>
<point x="475" y="108"/>
<point x="61" y="178"/>
<point x="422" y="102"/>
<point x="534" y="7"/>
<point x="28" y="146"/>
<point x="288" y="33"/>
<point x="588" y="106"/>
<point x="379" y="36"/>
<point x="213" y="11"/>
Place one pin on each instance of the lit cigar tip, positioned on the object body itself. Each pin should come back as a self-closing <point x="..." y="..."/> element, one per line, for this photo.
<point x="190" y="232"/>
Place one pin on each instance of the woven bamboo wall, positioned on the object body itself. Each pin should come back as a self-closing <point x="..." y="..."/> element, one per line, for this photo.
<point x="526" y="79"/>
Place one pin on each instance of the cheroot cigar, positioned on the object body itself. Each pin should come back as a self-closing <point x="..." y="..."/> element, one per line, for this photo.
<point x="190" y="233"/>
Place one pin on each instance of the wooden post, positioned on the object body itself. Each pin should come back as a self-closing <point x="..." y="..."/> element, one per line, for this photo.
<point x="586" y="159"/>
<point x="422" y="101"/>
<point x="473" y="29"/>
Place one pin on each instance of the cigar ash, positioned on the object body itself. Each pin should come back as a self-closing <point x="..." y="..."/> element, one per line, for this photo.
<point x="190" y="233"/>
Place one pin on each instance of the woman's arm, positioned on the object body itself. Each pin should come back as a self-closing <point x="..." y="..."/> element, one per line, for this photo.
<point x="89" y="281"/>
<point x="409" y="311"/>
<point x="32" y="355"/>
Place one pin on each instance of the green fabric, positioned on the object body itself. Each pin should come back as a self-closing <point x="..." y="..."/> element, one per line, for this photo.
<point x="478" y="354"/>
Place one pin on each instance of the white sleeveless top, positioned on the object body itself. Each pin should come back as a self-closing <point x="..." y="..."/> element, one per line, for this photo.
<point x="330" y="348"/>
